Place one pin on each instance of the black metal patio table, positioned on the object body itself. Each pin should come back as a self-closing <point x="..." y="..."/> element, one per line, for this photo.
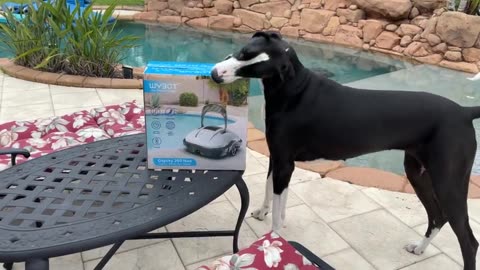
<point x="99" y="194"/>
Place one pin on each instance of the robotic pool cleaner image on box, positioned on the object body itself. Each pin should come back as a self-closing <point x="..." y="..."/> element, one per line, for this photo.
<point x="192" y="122"/>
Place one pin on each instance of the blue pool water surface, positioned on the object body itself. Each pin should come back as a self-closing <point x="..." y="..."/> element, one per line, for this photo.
<point x="170" y="128"/>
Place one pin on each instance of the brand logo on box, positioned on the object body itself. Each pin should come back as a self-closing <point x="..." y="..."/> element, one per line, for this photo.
<point x="160" y="86"/>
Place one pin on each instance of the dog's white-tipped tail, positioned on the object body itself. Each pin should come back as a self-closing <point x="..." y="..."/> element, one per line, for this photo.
<point x="475" y="78"/>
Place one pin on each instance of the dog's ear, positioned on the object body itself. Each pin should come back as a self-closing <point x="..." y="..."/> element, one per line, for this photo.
<point x="268" y="35"/>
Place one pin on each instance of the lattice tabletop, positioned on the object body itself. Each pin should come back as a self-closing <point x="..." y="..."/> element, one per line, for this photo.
<point x="95" y="195"/>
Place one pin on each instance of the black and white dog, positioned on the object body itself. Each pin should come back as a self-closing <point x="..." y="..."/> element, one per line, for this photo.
<point x="310" y="117"/>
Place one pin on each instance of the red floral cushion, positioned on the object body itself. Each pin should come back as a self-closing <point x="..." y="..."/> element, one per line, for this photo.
<point x="47" y="135"/>
<point x="269" y="252"/>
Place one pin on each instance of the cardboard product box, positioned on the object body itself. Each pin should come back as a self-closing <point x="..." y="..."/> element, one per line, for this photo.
<point x="192" y="122"/>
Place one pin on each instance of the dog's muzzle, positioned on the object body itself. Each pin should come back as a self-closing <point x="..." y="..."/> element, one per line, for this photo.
<point x="215" y="77"/>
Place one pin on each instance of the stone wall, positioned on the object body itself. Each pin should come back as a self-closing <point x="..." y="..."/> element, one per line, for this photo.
<point x="414" y="29"/>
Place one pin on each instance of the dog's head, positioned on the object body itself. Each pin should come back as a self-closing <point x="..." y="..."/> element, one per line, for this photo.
<point x="266" y="55"/>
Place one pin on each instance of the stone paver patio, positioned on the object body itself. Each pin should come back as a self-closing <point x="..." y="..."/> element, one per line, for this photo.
<point x="349" y="226"/>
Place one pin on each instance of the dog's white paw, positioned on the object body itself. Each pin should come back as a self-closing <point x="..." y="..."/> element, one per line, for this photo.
<point x="260" y="214"/>
<point x="415" y="249"/>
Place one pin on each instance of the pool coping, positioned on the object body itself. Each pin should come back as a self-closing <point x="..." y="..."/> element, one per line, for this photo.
<point x="363" y="176"/>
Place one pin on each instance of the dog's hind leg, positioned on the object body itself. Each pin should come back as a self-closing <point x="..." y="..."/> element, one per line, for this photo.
<point x="450" y="170"/>
<point x="262" y="212"/>
<point x="422" y="184"/>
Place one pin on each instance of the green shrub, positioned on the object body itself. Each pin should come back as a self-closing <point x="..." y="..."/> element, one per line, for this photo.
<point x="56" y="39"/>
<point x="238" y="91"/>
<point x="188" y="99"/>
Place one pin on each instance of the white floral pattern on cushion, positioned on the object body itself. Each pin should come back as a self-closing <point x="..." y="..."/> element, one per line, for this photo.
<point x="269" y="252"/>
<point x="43" y="136"/>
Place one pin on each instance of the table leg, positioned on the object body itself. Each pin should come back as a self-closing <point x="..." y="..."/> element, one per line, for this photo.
<point x="37" y="264"/>
<point x="108" y="256"/>
<point x="245" y="199"/>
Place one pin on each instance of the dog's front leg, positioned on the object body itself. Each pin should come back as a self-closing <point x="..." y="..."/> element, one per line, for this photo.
<point x="281" y="179"/>
<point x="262" y="212"/>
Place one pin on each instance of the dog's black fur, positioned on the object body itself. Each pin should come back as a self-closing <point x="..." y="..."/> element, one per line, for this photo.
<point x="310" y="117"/>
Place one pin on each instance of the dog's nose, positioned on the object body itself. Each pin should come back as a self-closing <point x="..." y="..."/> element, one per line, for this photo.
<point x="215" y="77"/>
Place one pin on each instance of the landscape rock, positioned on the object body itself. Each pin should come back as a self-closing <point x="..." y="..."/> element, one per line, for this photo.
<point x="417" y="49"/>
<point x="314" y="21"/>
<point x="295" y="18"/>
<point x="458" y="29"/>
<point x="392" y="9"/>
<point x="276" y="8"/>
<point x="349" y="35"/>
<point x="420" y="21"/>
<point x="278" y="22"/>
<point x="146" y="16"/>
<point x="433" y="39"/>
<point x="406" y="40"/>
<point x="429" y="5"/>
<point x="332" y="26"/>
<point x="169" y="12"/>
<point x="318" y="38"/>
<point x="175" y="20"/>
<point x="463" y="66"/>
<point x="334" y="4"/>
<point x="391" y="27"/>
<point x="372" y="29"/>
<point x="211" y="12"/>
<point x="432" y="59"/>
<point x="251" y="19"/>
<point x="156" y="6"/>
<point x="289" y="31"/>
<point x="199" y="22"/>
<point x="440" y="48"/>
<point x="398" y="49"/>
<point x="221" y="22"/>
<point x="315" y="4"/>
<point x="413" y="13"/>
<point x="408" y="29"/>
<point x="247" y="3"/>
<point x="471" y="54"/>
<point x="387" y="40"/>
<point x="453" y="56"/>
<point x="351" y="15"/>
<point x="176" y="5"/>
<point x="224" y="6"/>
<point x="193" y="12"/>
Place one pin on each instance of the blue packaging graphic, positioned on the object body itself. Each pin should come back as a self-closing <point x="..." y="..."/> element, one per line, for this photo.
<point x="192" y="122"/>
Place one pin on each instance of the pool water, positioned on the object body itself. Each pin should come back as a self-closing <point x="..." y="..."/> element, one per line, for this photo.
<point x="170" y="128"/>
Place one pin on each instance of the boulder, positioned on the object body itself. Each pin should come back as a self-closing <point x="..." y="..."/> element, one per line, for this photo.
<point x="156" y="6"/>
<point x="278" y="22"/>
<point x="175" y="20"/>
<point x="429" y="5"/>
<point x="372" y="29"/>
<point x="295" y="18"/>
<point x="224" y="7"/>
<point x="420" y="21"/>
<point x="453" y="56"/>
<point x="406" y="40"/>
<point x="458" y="29"/>
<point x="430" y="27"/>
<point x="251" y="19"/>
<point x="289" y="31"/>
<point x="276" y="8"/>
<point x="176" y="5"/>
<point x="247" y="3"/>
<point x="198" y="22"/>
<point x="440" y="48"/>
<point x="392" y="9"/>
<point x="314" y="21"/>
<point x="351" y="15"/>
<point x="332" y="26"/>
<point x="146" y="16"/>
<point x="349" y="35"/>
<point x="463" y="66"/>
<point x="391" y="27"/>
<point x="387" y="40"/>
<point x="221" y="22"/>
<point x="413" y="13"/>
<point x="471" y="54"/>
<point x="417" y="49"/>
<point x="334" y="4"/>
<point x="211" y="12"/>
<point x="193" y="12"/>
<point x="433" y="39"/>
<point x="408" y="29"/>
<point x="432" y="59"/>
